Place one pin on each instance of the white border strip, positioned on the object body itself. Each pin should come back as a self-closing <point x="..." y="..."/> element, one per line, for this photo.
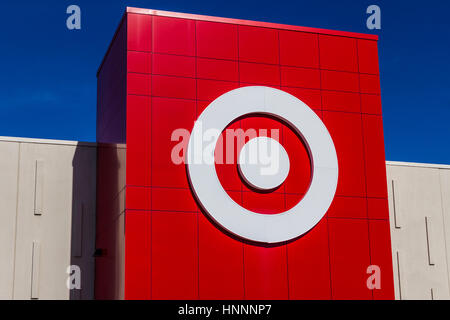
<point x="414" y="164"/>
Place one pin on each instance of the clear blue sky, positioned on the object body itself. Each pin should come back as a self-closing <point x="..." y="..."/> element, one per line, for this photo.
<point x="48" y="73"/>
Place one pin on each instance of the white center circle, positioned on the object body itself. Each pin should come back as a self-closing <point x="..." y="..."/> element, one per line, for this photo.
<point x="263" y="163"/>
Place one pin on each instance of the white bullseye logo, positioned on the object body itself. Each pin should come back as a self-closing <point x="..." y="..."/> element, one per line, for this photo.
<point x="215" y="201"/>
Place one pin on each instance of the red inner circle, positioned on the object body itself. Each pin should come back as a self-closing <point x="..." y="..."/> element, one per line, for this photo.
<point x="291" y="190"/>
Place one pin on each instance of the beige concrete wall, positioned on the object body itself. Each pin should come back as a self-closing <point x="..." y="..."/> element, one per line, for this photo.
<point x="9" y="163"/>
<point x="47" y="220"/>
<point x="419" y="206"/>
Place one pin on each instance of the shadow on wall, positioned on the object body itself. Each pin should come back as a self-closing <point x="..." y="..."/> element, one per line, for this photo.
<point x="82" y="256"/>
<point x="110" y="222"/>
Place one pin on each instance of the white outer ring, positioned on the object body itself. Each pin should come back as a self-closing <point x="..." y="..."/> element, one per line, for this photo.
<point x="304" y="121"/>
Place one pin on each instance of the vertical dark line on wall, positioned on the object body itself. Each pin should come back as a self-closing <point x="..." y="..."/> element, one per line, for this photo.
<point x="399" y="276"/>
<point x="428" y="239"/>
<point x="394" y="206"/>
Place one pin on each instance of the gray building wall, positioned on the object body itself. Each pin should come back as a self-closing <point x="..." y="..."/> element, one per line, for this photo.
<point x="419" y="207"/>
<point x="47" y="217"/>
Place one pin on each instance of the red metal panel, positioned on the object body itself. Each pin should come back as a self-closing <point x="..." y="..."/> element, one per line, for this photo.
<point x="258" y="45"/>
<point x="380" y="248"/>
<point x="173" y="199"/>
<point x="292" y="199"/>
<point x="236" y="196"/>
<point x="309" y="265"/>
<point x="211" y="89"/>
<point x="300" y="77"/>
<point x="338" y="53"/>
<point x="173" y="87"/>
<point x="174" y="255"/>
<point x="340" y="81"/>
<point x="173" y="65"/>
<point x="138" y="83"/>
<point x="138" y="140"/>
<point x="378" y="208"/>
<point x="375" y="160"/>
<point x="371" y="104"/>
<point x="349" y="257"/>
<point x="138" y="62"/>
<point x="139" y="30"/>
<point x="267" y="204"/>
<point x="346" y="132"/>
<point x="299" y="49"/>
<point x="201" y="105"/>
<point x="262" y="74"/>
<point x="229" y="177"/>
<point x="138" y="198"/>
<point x="368" y="56"/>
<point x="311" y="97"/>
<point x="348" y="207"/>
<point x="174" y="36"/>
<point x="217" y="40"/>
<point x="369" y="83"/>
<point x="341" y="101"/>
<point x="221" y="262"/>
<point x="166" y="173"/>
<point x="265" y="272"/>
<point x="137" y="255"/>
<point x="217" y="69"/>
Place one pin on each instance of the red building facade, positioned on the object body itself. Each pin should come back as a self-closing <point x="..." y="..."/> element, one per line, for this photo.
<point x="161" y="71"/>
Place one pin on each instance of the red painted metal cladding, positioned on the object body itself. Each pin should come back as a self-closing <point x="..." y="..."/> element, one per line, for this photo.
<point x="176" y="64"/>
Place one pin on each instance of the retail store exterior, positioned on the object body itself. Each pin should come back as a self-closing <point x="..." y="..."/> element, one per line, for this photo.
<point x="169" y="229"/>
